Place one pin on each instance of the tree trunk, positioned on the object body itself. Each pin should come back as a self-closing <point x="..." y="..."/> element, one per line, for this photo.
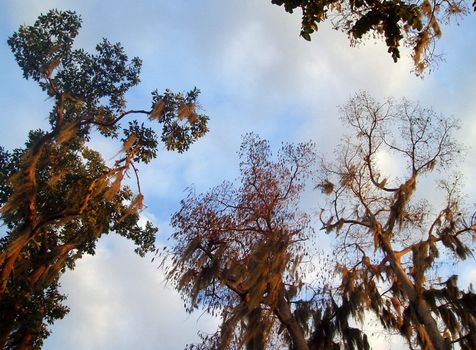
<point x="283" y="312"/>
<point x="256" y="342"/>
<point x="26" y="342"/>
<point x="7" y="320"/>
<point x="422" y="308"/>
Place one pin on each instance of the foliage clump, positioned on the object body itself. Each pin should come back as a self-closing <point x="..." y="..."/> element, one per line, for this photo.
<point x="57" y="195"/>
<point x="416" y="24"/>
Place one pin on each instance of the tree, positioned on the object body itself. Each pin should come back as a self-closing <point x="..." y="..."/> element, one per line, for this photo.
<point x="57" y="195"/>
<point x="392" y="246"/>
<point x="415" y="23"/>
<point x="242" y="251"/>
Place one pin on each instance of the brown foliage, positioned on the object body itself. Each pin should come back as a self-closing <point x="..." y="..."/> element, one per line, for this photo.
<point x="237" y="249"/>
<point x="387" y="239"/>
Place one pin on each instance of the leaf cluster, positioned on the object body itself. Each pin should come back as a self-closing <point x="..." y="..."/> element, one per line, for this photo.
<point x="415" y="23"/>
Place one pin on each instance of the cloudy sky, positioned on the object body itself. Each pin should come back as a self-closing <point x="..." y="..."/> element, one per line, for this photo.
<point x="255" y="74"/>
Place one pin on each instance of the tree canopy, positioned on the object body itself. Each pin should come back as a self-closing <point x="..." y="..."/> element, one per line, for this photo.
<point x="236" y="246"/>
<point x="393" y="246"/>
<point x="415" y="24"/>
<point x="57" y="195"/>
<point x="242" y="252"/>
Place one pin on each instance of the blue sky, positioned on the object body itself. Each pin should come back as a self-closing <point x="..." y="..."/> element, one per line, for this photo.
<point x="255" y="74"/>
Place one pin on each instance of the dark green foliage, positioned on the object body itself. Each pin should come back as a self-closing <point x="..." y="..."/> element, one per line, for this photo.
<point x="37" y="47"/>
<point x="416" y="24"/>
<point x="181" y="122"/>
<point x="142" y="137"/>
<point x="64" y="175"/>
<point x="47" y="47"/>
<point x="57" y="195"/>
<point x="28" y="323"/>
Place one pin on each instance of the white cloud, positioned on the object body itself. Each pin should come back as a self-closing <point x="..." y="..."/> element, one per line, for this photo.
<point x="468" y="276"/>
<point x="120" y="301"/>
<point x="256" y="74"/>
<point x="379" y="338"/>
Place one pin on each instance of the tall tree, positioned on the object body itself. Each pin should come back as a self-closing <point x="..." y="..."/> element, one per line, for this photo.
<point x="239" y="252"/>
<point x="392" y="245"/>
<point x="58" y="195"/>
<point x="415" y="23"/>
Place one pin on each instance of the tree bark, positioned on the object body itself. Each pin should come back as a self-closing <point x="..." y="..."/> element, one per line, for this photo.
<point x="422" y="308"/>
<point x="256" y="342"/>
<point x="283" y="312"/>
<point x="26" y="342"/>
<point x="6" y="324"/>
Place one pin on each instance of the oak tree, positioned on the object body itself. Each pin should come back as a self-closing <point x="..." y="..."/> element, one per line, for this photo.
<point x="393" y="241"/>
<point x="57" y="195"/>
<point x="416" y="24"/>
<point x="241" y="251"/>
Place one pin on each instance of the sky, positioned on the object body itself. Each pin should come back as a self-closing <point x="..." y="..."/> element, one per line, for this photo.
<point x="256" y="74"/>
